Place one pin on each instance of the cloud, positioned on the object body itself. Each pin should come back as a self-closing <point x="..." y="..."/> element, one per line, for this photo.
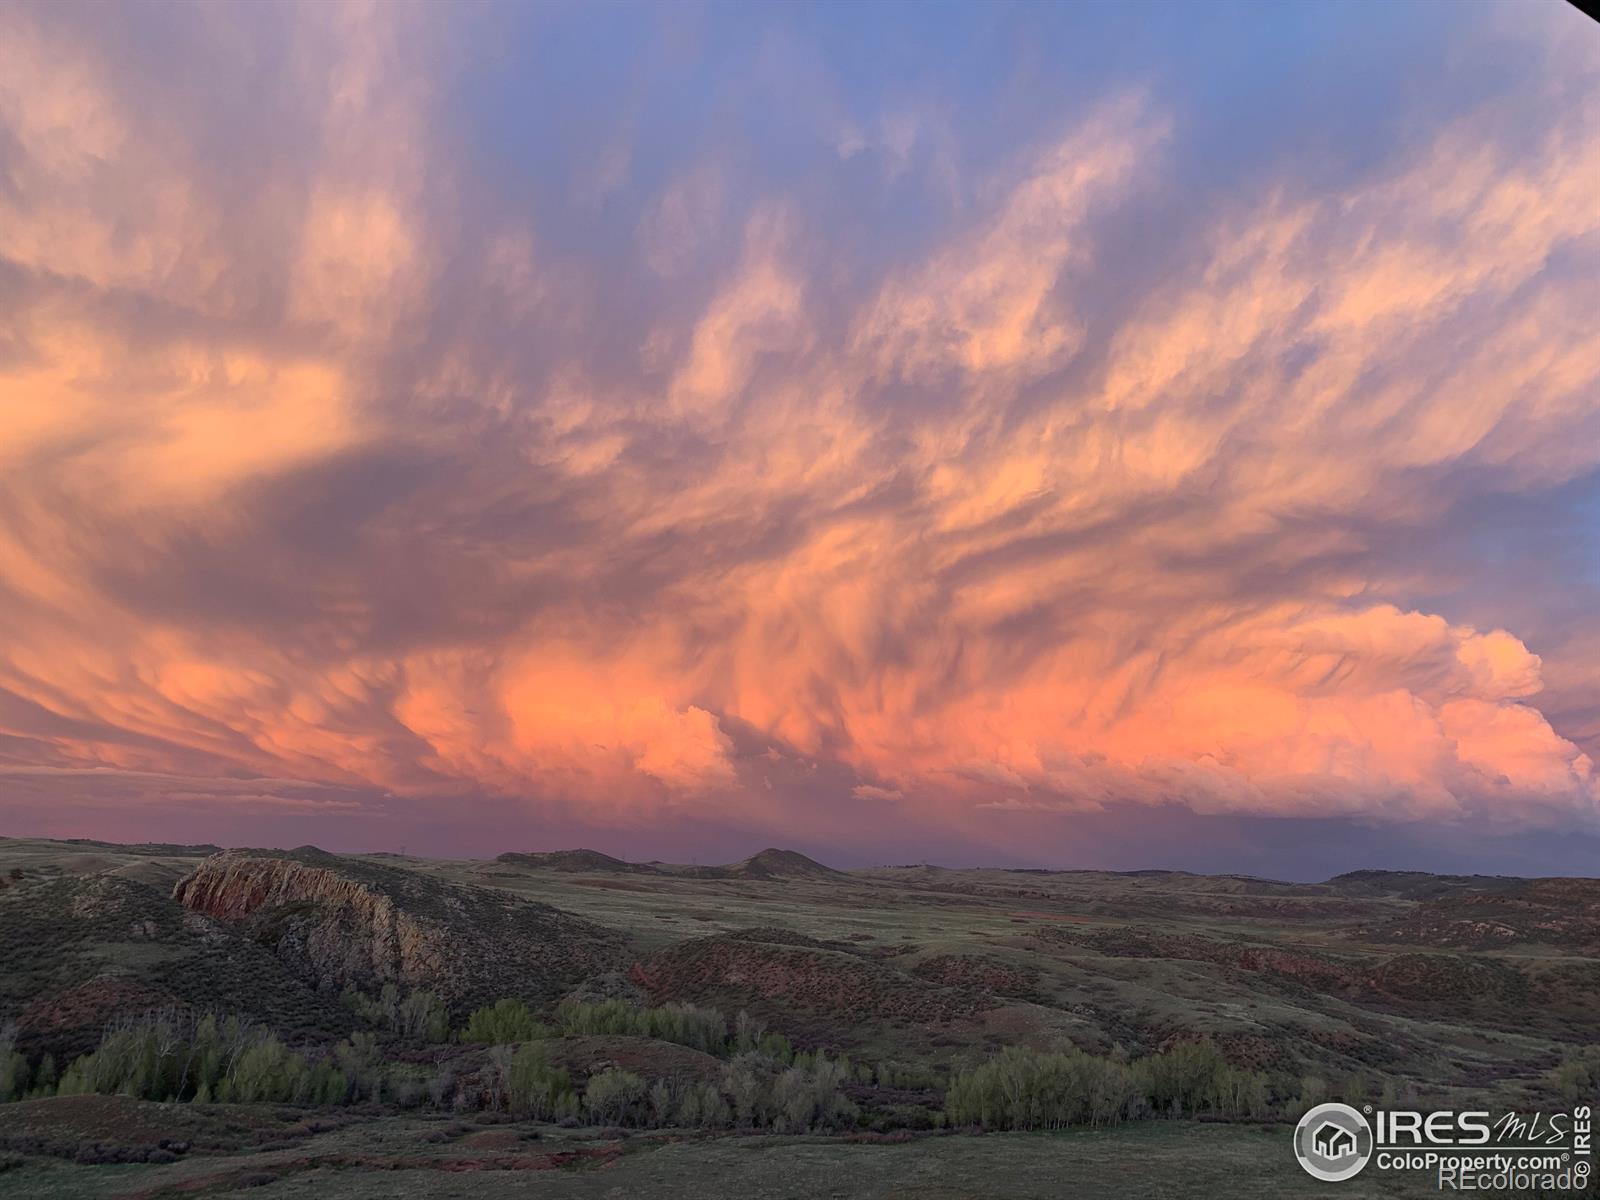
<point x="868" y="791"/>
<point x="738" y="494"/>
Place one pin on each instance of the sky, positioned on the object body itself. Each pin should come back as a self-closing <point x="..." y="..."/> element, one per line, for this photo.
<point x="1150" y="435"/>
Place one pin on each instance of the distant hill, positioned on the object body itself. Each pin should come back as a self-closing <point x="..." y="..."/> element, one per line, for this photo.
<point x="167" y="849"/>
<point x="769" y="864"/>
<point x="1418" y="885"/>
<point x="581" y="859"/>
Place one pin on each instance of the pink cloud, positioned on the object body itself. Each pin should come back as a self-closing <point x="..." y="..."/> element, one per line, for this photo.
<point x="356" y="485"/>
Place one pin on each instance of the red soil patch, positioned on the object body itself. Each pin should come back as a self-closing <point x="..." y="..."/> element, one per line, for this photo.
<point x="978" y="971"/>
<point x="734" y="972"/>
<point x="90" y="1003"/>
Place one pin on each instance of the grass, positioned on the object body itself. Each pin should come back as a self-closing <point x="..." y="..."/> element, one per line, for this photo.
<point x="392" y="1158"/>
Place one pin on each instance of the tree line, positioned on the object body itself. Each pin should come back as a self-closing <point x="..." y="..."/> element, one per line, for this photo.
<point x="763" y="1083"/>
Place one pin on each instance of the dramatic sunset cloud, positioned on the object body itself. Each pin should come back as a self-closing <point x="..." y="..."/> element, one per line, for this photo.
<point x="738" y="423"/>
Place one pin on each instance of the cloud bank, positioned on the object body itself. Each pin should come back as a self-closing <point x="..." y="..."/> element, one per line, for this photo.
<point x="386" y="415"/>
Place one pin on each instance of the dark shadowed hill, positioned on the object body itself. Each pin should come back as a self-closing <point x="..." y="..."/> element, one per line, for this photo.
<point x="768" y="864"/>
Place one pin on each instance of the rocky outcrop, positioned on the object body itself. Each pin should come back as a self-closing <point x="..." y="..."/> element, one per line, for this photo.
<point x="85" y="950"/>
<point x="347" y="922"/>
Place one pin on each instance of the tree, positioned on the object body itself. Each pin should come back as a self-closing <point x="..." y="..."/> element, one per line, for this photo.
<point x="613" y="1096"/>
<point x="13" y="1066"/>
<point x="535" y="1085"/>
<point x="504" y="1022"/>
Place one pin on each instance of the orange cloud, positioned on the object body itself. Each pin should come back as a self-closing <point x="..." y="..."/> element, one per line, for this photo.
<point x="355" y="485"/>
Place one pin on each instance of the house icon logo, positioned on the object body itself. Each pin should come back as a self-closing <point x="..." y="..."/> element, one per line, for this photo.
<point x="1333" y="1142"/>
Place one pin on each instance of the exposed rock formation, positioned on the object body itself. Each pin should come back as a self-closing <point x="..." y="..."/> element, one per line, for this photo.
<point x="76" y="952"/>
<point x="340" y="922"/>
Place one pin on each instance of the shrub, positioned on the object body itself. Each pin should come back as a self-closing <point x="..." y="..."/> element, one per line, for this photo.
<point x="1578" y="1075"/>
<point x="13" y="1066"/>
<point x="521" y="1080"/>
<point x="170" y="1055"/>
<point x="686" y="1024"/>
<point x="806" y="1096"/>
<point x="1194" y="1077"/>
<point x="898" y="1075"/>
<point x="1019" y="1089"/>
<point x="614" y="1095"/>
<point x="418" y="1016"/>
<point x="504" y="1022"/>
<point x="750" y="1034"/>
<point x="793" y="1099"/>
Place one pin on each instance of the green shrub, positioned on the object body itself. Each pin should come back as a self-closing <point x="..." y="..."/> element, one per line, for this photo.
<point x="614" y="1097"/>
<point x="417" y="1016"/>
<point x="13" y="1066"/>
<point x="750" y="1034"/>
<point x="169" y="1055"/>
<point x="520" y="1080"/>
<point x="503" y="1022"/>
<point x="792" y="1099"/>
<point x="699" y="1105"/>
<point x="1578" y="1075"/>
<point x="807" y="1096"/>
<point x="686" y="1024"/>
<point x="1195" y="1077"/>
<point x="1020" y="1089"/>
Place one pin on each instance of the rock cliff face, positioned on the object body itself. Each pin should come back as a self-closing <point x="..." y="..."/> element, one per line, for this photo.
<point x="345" y="922"/>
<point x="76" y="952"/>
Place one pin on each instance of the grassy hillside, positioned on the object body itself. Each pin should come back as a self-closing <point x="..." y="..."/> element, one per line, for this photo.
<point x="708" y="1009"/>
